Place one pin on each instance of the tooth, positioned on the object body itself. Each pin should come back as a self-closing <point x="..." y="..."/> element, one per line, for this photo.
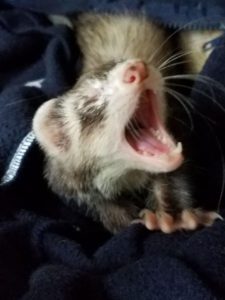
<point x="158" y="134"/>
<point x="178" y="148"/>
<point x="142" y="152"/>
<point x="145" y="153"/>
<point x="160" y="138"/>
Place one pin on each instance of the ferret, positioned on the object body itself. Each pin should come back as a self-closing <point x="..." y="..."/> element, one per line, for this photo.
<point x="106" y="141"/>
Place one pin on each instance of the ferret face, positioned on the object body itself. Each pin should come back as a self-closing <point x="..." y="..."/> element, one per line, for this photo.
<point x="115" y="115"/>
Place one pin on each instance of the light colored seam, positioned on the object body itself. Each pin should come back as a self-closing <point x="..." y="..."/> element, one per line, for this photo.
<point x="35" y="83"/>
<point x="17" y="158"/>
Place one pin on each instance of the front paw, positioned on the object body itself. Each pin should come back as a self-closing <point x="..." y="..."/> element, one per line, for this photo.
<point x="188" y="219"/>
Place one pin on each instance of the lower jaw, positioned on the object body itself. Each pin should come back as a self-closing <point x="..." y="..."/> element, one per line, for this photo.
<point x="163" y="165"/>
<point x="158" y="163"/>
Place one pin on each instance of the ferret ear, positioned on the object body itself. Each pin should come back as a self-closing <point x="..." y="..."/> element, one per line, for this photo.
<point x="48" y="129"/>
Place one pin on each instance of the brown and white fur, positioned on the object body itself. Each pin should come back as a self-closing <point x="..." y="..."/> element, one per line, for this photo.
<point x="83" y="132"/>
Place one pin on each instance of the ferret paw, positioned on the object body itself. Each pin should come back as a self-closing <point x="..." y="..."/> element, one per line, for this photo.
<point x="193" y="218"/>
<point x="188" y="219"/>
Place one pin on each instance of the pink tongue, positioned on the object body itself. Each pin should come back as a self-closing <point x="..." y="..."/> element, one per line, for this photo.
<point x="149" y="143"/>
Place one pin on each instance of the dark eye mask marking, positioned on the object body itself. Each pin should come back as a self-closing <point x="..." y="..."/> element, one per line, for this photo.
<point x="91" y="114"/>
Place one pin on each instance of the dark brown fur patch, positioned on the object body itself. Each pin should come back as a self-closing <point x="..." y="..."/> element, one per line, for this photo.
<point x="172" y="194"/>
<point x="91" y="114"/>
<point x="84" y="177"/>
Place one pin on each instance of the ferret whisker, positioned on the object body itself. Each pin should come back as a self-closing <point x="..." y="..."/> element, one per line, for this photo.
<point x="197" y="77"/>
<point x="181" y="122"/>
<point x="133" y="131"/>
<point x="178" y="97"/>
<point x="174" y="58"/>
<point x="190" y="100"/>
<point x="184" y="98"/>
<point x="175" y="64"/>
<point x="168" y="57"/>
<point x="136" y="123"/>
<point x="190" y="103"/>
<point x="201" y="93"/>
<point x="16" y="101"/>
<point x="172" y="35"/>
<point x="164" y="57"/>
<point x="203" y="79"/>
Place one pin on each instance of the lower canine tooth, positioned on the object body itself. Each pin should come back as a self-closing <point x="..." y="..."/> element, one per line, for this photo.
<point x="178" y="148"/>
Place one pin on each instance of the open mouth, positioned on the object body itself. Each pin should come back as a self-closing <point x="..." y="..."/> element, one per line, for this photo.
<point x="147" y="134"/>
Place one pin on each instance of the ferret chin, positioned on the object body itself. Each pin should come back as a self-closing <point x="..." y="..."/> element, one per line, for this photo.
<point x="106" y="140"/>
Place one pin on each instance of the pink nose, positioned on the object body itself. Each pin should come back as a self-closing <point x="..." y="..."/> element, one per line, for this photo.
<point x="136" y="73"/>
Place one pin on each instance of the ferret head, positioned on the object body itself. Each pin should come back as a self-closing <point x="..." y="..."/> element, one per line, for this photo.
<point x="113" y="117"/>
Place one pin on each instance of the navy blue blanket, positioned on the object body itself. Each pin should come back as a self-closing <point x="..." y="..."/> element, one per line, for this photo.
<point x="50" y="251"/>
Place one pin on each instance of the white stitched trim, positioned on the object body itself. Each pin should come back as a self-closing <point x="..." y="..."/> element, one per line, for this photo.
<point x="18" y="157"/>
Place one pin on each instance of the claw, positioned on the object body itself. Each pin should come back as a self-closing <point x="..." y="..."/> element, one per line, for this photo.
<point x="188" y="219"/>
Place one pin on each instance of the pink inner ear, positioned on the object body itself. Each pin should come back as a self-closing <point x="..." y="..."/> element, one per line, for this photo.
<point x="49" y="130"/>
<point x="135" y="73"/>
